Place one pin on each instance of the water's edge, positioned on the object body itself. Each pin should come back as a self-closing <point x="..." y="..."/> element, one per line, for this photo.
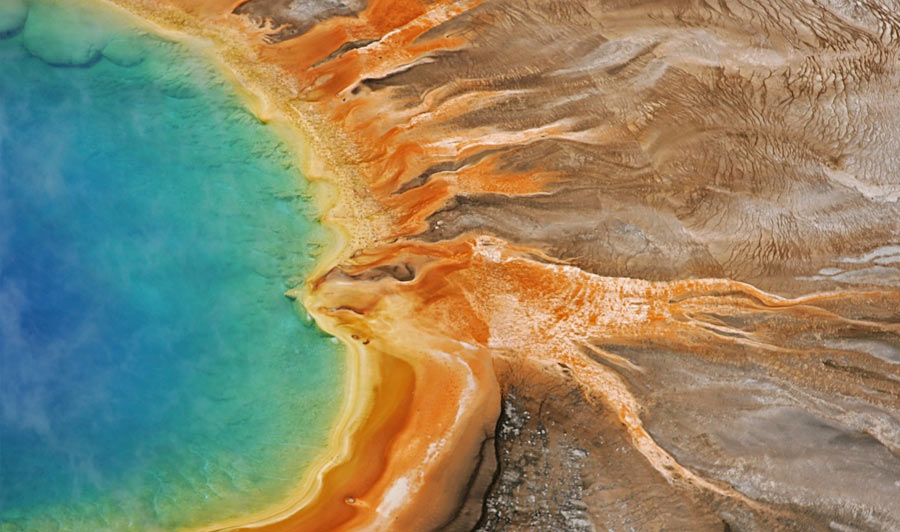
<point x="121" y="56"/>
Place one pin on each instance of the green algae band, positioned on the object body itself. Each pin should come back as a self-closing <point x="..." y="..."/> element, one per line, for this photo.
<point x="154" y="376"/>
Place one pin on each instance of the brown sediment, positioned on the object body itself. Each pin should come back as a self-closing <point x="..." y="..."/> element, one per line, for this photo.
<point x="530" y="313"/>
<point x="611" y="194"/>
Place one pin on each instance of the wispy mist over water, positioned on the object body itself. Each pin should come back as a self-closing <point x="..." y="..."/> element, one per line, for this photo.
<point x="153" y="374"/>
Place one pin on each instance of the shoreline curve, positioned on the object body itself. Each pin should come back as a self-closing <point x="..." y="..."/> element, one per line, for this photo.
<point x="381" y="384"/>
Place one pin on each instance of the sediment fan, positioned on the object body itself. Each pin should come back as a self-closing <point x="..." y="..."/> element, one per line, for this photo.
<point x="599" y="265"/>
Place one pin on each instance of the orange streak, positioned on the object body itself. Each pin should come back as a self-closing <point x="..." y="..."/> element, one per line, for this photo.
<point x="348" y="484"/>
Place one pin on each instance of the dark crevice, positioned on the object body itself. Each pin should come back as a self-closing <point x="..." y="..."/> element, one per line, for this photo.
<point x="343" y="49"/>
<point x="452" y="524"/>
<point x="495" y="481"/>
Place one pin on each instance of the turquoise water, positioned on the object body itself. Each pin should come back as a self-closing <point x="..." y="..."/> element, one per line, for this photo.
<point x="154" y="376"/>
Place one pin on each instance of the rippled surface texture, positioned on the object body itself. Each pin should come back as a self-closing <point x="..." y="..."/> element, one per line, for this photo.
<point x="656" y="240"/>
<point x="154" y="376"/>
<point x="626" y="265"/>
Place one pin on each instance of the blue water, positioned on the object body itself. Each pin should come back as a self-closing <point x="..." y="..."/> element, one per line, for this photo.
<point x="153" y="374"/>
